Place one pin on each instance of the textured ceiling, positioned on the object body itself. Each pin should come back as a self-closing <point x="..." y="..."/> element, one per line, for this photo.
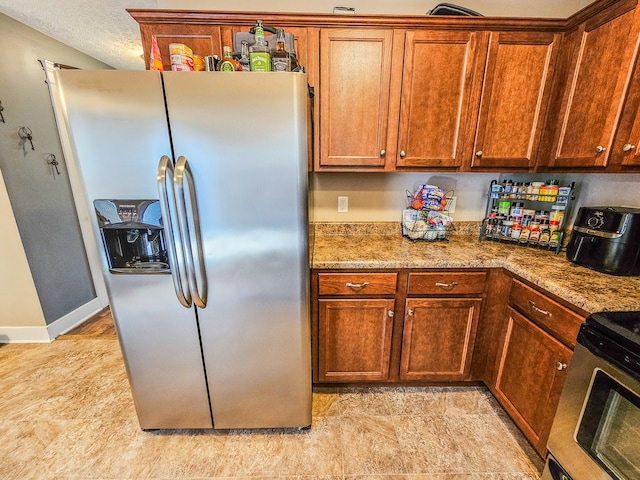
<point x="100" y="28"/>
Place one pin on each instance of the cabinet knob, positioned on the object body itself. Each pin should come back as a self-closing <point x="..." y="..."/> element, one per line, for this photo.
<point x="561" y="366"/>
<point x="410" y="313"/>
<point x="479" y="153"/>
<point x="628" y="147"/>
<point x="403" y="154"/>
<point x="391" y="313"/>
<point x="383" y="153"/>
<point x="600" y="149"/>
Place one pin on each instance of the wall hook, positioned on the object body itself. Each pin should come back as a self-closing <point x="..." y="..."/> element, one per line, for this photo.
<point x="51" y="160"/>
<point x="1" y="115"/>
<point x="25" y="134"/>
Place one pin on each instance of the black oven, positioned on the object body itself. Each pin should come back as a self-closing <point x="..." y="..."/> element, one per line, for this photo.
<point x="596" y="431"/>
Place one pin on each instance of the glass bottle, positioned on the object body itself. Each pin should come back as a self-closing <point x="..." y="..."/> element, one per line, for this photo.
<point x="280" y="60"/>
<point x="244" y="57"/>
<point x="259" y="54"/>
<point x="228" y="63"/>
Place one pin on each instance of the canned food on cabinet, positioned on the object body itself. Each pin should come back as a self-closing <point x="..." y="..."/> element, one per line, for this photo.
<point x="180" y="49"/>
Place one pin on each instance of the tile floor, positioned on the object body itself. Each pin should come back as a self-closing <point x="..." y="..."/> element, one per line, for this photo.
<point x="66" y="413"/>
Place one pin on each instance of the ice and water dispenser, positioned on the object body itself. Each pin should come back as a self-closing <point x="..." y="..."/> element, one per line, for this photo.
<point x="133" y="235"/>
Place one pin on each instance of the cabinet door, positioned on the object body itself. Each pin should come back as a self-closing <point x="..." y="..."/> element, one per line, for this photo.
<point x="530" y="376"/>
<point x="202" y="39"/>
<point x="438" y="338"/>
<point x="437" y="77"/>
<point x="603" y="51"/>
<point x="355" y="74"/>
<point x="626" y="147"/>
<point x="354" y="339"/>
<point x="515" y="96"/>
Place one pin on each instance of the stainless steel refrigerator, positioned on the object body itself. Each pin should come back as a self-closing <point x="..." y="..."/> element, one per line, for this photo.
<point x="221" y="338"/>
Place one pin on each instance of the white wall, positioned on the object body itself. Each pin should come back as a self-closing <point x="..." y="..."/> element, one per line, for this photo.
<point x="511" y="8"/>
<point x="19" y="304"/>
<point x="382" y="196"/>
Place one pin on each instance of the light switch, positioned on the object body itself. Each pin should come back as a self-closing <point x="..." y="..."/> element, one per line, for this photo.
<point x="343" y="204"/>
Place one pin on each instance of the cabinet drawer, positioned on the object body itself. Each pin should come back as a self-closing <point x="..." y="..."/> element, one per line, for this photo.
<point x="357" y="283"/>
<point x="446" y="283"/>
<point x="549" y="314"/>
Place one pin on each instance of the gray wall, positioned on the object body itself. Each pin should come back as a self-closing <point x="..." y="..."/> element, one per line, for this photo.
<point x="42" y="202"/>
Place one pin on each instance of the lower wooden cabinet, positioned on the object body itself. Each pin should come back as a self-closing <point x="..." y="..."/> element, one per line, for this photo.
<point x="354" y="340"/>
<point x="396" y="325"/>
<point x="438" y="338"/>
<point x="530" y="376"/>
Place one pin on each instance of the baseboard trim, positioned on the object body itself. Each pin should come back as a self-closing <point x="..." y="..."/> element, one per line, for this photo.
<point x="48" y="333"/>
<point x="72" y="319"/>
<point x="24" y="335"/>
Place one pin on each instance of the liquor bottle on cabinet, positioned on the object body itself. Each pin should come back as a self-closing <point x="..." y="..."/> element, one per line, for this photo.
<point x="244" y="57"/>
<point x="280" y="61"/>
<point x="259" y="54"/>
<point x="228" y="63"/>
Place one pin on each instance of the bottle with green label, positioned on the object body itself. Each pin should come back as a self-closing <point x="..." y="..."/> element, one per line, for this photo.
<point x="259" y="54"/>
<point x="228" y="63"/>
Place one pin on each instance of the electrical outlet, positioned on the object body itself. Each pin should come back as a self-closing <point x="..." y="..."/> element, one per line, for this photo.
<point x="451" y="204"/>
<point x="343" y="204"/>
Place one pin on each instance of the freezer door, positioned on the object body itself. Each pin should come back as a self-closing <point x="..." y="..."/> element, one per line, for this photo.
<point x="244" y="138"/>
<point x="119" y="132"/>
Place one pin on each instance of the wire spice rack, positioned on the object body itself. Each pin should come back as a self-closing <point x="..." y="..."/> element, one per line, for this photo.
<point x="529" y="215"/>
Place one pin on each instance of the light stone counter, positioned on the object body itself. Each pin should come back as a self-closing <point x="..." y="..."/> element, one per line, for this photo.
<point x="342" y="247"/>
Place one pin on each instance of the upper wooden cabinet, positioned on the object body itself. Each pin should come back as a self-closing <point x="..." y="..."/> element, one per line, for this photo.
<point x="393" y="100"/>
<point x="437" y="101"/>
<point x="410" y="93"/>
<point x="202" y="39"/>
<point x="453" y="100"/>
<point x="355" y="73"/>
<point x="514" y="101"/>
<point x="598" y="57"/>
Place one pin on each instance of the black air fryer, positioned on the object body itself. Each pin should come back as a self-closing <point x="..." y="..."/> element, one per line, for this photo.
<point x="606" y="239"/>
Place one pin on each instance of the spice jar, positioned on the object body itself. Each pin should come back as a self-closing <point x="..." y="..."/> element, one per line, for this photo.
<point x="504" y="206"/>
<point x="545" y="233"/>
<point x="516" y="230"/>
<point x="534" y="236"/>
<point x="506" y="227"/>
<point x="516" y="209"/>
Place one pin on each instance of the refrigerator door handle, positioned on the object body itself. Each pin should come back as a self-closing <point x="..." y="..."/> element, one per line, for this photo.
<point x="176" y="255"/>
<point x="189" y="220"/>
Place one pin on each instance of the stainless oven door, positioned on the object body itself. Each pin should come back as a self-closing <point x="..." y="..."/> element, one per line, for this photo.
<point x="596" y="431"/>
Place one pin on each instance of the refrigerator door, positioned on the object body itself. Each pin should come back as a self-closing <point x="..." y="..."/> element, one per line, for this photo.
<point x="119" y="132"/>
<point x="244" y="137"/>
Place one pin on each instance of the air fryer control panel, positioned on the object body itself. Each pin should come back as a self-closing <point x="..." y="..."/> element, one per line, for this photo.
<point x="607" y="219"/>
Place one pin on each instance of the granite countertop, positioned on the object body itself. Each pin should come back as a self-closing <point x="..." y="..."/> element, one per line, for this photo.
<point x="342" y="247"/>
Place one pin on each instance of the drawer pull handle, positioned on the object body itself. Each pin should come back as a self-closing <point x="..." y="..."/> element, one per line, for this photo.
<point x="561" y="366"/>
<point x="357" y="285"/>
<point x="447" y="285"/>
<point x="539" y="310"/>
